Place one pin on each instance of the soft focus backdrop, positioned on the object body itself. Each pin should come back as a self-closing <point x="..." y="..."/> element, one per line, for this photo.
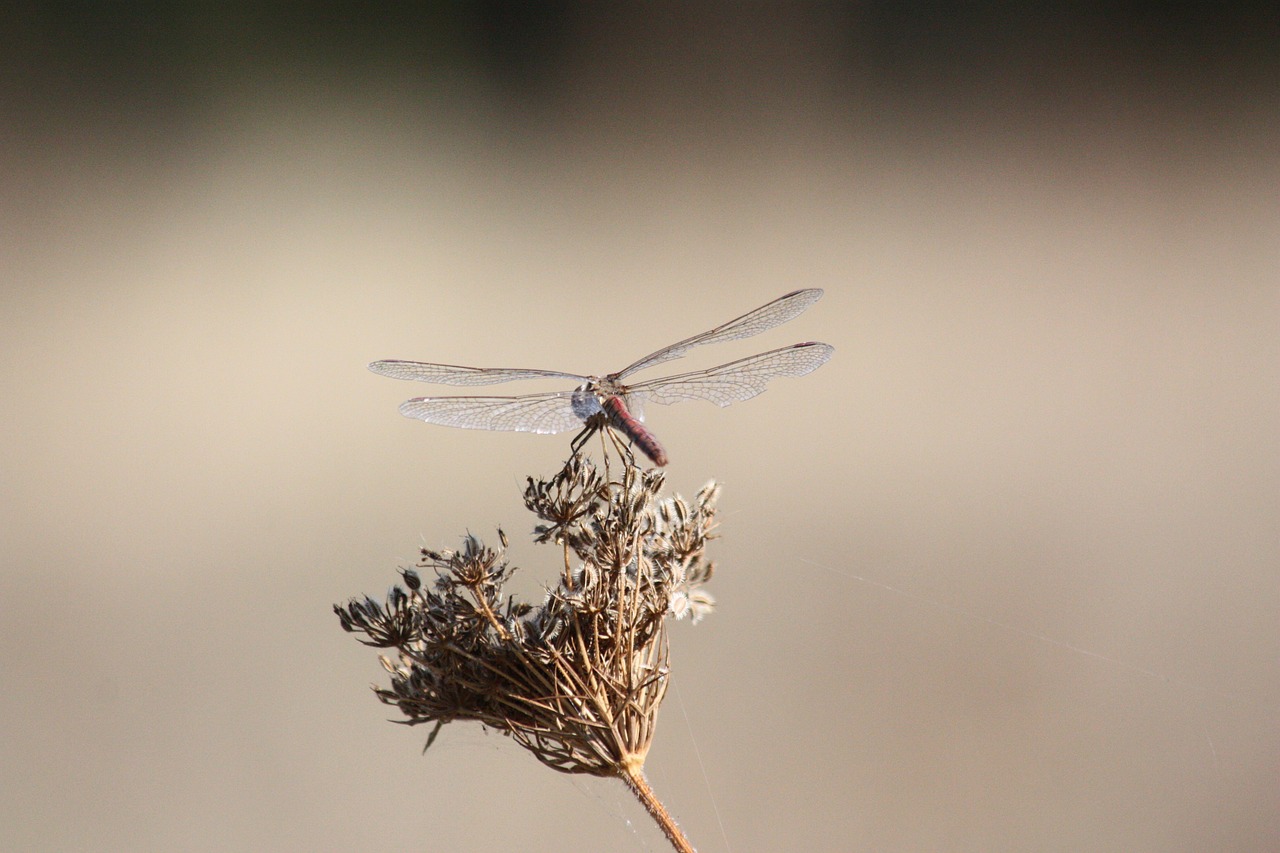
<point x="1003" y="575"/>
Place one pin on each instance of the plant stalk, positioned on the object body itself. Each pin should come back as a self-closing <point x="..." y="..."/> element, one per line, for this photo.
<point x="632" y="773"/>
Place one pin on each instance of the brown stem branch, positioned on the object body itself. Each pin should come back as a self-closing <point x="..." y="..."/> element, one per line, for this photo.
<point x="632" y="772"/>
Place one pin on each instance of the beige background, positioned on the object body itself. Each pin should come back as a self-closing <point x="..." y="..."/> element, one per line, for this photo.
<point x="1003" y="575"/>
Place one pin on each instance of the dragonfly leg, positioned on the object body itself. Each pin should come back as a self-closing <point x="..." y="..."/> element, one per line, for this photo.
<point x="581" y="438"/>
<point x="623" y="447"/>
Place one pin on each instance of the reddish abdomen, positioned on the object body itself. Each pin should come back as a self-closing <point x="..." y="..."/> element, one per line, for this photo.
<point x="626" y="423"/>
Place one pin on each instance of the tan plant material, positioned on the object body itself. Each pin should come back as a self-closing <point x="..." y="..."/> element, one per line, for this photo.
<point x="578" y="679"/>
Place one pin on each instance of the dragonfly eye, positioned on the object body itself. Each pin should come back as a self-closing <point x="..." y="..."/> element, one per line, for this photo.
<point x="585" y="402"/>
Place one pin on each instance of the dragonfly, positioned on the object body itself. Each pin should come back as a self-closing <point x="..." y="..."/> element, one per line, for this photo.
<point x="606" y="402"/>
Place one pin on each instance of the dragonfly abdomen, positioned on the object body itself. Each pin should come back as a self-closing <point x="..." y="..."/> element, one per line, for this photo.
<point x="626" y="423"/>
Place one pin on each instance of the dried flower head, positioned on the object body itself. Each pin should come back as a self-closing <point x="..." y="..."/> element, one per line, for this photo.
<point x="577" y="680"/>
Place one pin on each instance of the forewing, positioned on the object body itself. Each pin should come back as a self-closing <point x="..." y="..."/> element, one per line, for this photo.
<point x="542" y="413"/>
<point x="762" y="319"/>
<point x="453" y="374"/>
<point x="738" y="380"/>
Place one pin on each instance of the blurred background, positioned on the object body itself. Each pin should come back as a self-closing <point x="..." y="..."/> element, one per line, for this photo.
<point x="1003" y="575"/>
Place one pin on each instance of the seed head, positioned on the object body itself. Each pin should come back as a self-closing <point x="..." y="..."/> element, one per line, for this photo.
<point x="579" y="678"/>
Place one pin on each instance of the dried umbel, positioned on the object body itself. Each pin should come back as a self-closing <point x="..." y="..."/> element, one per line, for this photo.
<point x="578" y="679"/>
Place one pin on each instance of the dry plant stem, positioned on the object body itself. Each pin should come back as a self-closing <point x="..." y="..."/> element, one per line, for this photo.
<point x="632" y="773"/>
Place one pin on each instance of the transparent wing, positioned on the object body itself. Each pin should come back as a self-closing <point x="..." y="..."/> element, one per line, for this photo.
<point x="765" y="317"/>
<point x="543" y="413"/>
<point x="736" y="381"/>
<point x="453" y="374"/>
